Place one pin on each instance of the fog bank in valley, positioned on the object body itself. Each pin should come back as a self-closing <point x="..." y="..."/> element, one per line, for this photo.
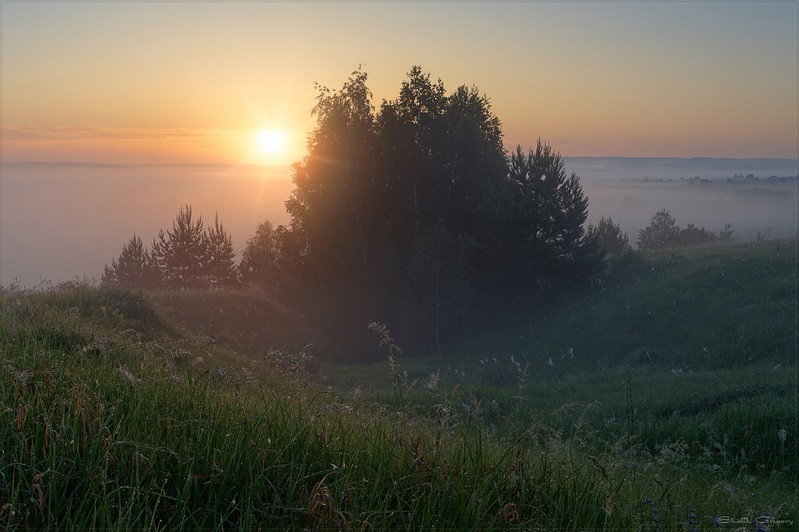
<point x="702" y="191"/>
<point x="66" y="220"/>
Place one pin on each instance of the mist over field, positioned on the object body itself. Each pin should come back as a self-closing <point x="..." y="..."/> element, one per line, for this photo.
<point x="62" y="220"/>
<point x="704" y="192"/>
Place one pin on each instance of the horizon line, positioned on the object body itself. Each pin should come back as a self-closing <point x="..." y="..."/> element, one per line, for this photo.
<point x="220" y="164"/>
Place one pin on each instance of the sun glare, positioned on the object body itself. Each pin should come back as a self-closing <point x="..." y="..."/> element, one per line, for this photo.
<point x="270" y="141"/>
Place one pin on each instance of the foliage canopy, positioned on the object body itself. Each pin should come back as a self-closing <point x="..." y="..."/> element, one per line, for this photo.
<point x="413" y="213"/>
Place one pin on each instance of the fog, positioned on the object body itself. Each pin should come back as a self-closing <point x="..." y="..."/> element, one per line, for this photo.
<point x="696" y="191"/>
<point x="62" y="221"/>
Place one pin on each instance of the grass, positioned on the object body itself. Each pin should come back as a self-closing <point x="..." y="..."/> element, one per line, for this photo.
<point x="247" y="321"/>
<point x="729" y="305"/>
<point x="111" y="416"/>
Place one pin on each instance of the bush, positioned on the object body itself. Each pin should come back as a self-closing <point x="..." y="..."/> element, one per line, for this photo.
<point x="609" y="236"/>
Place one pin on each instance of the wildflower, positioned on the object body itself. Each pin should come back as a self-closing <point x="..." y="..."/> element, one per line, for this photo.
<point x="654" y="510"/>
<point x="693" y="521"/>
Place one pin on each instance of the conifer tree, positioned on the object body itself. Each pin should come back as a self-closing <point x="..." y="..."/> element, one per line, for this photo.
<point x="181" y="253"/>
<point x="135" y="267"/>
<point x="550" y="210"/>
<point x="220" y="264"/>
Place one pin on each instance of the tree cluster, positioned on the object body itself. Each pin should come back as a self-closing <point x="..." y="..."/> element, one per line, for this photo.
<point x="663" y="233"/>
<point x="413" y="214"/>
<point x="189" y="255"/>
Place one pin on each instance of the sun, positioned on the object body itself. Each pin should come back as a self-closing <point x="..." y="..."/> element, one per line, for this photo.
<point x="270" y="141"/>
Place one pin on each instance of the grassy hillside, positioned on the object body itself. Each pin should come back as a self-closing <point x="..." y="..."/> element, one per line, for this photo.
<point x="113" y="415"/>
<point x="693" y="308"/>
<point x="247" y="321"/>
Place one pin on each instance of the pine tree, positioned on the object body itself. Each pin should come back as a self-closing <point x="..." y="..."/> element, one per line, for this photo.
<point x="220" y="264"/>
<point x="181" y="253"/>
<point x="135" y="267"/>
<point x="550" y="210"/>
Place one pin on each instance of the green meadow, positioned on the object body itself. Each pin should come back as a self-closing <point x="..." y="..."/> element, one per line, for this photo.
<point x="663" y="396"/>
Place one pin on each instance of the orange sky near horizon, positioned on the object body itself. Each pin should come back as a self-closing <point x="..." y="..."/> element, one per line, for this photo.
<point x="193" y="83"/>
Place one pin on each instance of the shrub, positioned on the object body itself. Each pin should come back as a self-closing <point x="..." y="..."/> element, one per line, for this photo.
<point x="609" y="236"/>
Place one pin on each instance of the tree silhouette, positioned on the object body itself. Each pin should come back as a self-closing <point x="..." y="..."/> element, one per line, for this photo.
<point x="412" y="214"/>
<point x="260" y="260"/>
<point x="182" y="252"/>
<point x="331" y="205"/>
<point x="220" y="263"/>
<point x="549" y="212"/>
<point x="609" y="236"/>
<point x="135" y="267"/>
<point x="661" y="233"/>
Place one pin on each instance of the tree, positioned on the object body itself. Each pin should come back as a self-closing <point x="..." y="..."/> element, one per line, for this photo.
<point x="331" y="205"/>
<point x="439" y="292"/>
<point x="135" y="267"/>
<point x="693" y="236"/>
<point x="182" y="252"/>
<point x="661" y="233"/>
<point x="220" y="263"/>
<point x="443" y="167"/>
<point x="609" y="236"/>
<point x="260" y="260"/>
<point x="549" y="211"/>
<point x="409" y="215"/>
<point x="664" y="233"/>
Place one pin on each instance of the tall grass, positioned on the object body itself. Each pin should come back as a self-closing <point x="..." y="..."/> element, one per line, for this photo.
<point x="112" y="418"/>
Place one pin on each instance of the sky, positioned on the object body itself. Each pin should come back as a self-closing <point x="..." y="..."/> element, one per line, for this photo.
<point x="193" y="83"/>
